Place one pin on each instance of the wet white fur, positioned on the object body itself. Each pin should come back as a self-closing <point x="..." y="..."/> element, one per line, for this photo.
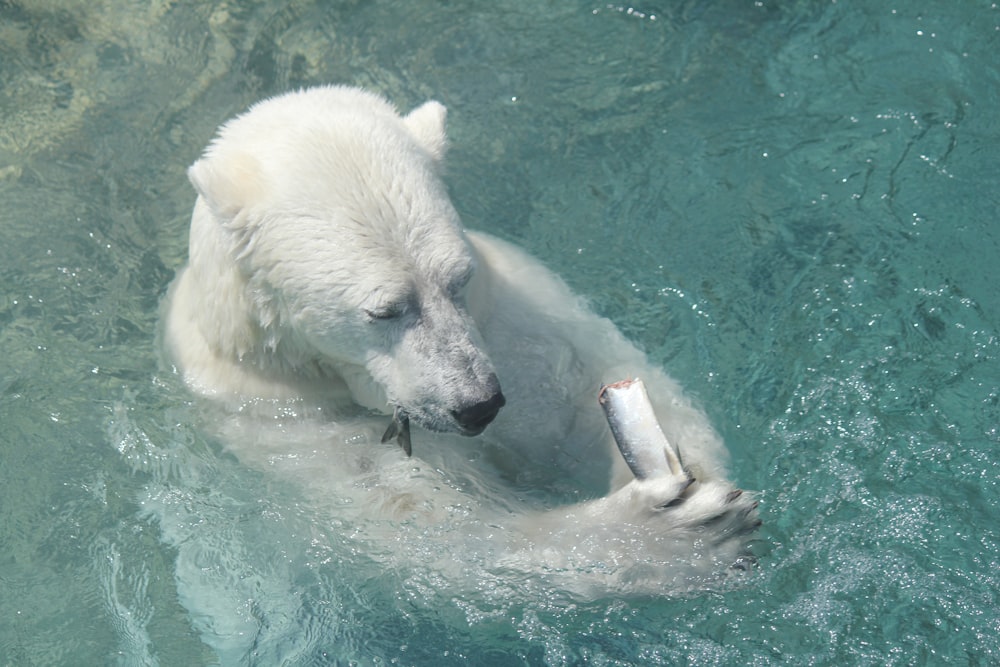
<point x="319" y="207"/>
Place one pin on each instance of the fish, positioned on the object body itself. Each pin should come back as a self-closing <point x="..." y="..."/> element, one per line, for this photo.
<point x="646" y="450"/>
<point x="399" y="428"/>
<point x="720" y="513"/>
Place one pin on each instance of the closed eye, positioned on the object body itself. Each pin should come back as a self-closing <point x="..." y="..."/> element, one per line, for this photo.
<point x="388" y="303"/>
<point x="385" y="313"/>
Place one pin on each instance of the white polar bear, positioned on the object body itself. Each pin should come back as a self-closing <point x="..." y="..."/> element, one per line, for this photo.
<point x="330" y="283"/>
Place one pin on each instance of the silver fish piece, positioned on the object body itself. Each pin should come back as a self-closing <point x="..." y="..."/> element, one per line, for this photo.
<point x="637" y="432"/>
<point x="399" y="428"/>
<point x="656" y="464"/>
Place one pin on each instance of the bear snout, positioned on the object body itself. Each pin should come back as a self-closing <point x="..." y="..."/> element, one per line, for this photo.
<point x="475" y="417"/>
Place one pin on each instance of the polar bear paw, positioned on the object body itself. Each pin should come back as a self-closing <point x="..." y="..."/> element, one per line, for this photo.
<point x="651" y="536"/>
<point x="665" y="530"/>
<point x="713" y="512"/>
<point x="664" y="494"/>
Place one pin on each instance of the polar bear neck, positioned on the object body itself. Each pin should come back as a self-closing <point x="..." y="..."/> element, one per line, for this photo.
<point x="223" y="346"/>
<point x="243" y="368"/>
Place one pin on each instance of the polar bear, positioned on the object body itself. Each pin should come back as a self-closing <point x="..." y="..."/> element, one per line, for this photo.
<point x="330" y="283"/>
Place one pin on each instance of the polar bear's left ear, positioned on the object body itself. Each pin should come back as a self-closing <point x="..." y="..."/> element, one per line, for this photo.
<point x="426" y="123"/>
<point x="227" y="184"/>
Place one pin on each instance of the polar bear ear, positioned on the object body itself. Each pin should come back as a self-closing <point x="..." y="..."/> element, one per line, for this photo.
<point x="426" y="124"/>
<point x="227" y="185"/>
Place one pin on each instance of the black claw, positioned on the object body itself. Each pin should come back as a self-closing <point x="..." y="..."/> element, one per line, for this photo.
<point x="733" y="495"/>
<point x="682" y="495"/>
<point x="679" y="500"/>
<point x="744" y="563"/>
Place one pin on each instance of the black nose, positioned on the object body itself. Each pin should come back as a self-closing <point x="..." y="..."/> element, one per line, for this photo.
<point x="476" y="417"/>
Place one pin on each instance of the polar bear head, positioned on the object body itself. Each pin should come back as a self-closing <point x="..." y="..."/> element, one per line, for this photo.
<point x="325" y="229"/>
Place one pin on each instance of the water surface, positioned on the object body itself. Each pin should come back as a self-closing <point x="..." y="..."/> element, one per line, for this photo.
<point x="791" y="206"/>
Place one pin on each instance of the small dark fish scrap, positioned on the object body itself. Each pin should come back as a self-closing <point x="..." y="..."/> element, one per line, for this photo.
<point x="399" y="428"/>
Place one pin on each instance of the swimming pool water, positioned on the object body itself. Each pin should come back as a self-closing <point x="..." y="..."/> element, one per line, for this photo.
<point x="791" y="206"/>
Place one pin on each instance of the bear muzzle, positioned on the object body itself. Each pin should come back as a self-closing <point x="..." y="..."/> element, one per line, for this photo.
<point x="471" y="419"/>
<point x="474" y="418"/>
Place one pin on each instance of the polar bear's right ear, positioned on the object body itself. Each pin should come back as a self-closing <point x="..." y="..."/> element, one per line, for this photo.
<point x="426" y="124"/>
<point x="227" y="185"/>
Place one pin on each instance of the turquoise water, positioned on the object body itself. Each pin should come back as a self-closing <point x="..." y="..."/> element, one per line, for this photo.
<point x="791" y="206"/>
